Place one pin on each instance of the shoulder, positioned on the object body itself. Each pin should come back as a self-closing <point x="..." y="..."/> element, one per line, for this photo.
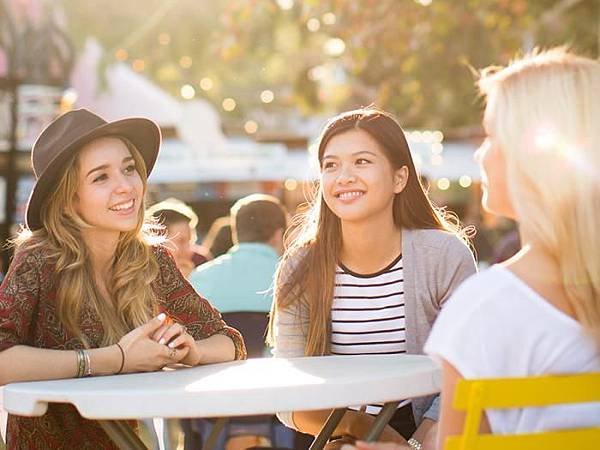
<point x="438" y="242"/>
<point x="38" y="259"/>
<point x="434" y="239"/>
<point x="482" y="292"/>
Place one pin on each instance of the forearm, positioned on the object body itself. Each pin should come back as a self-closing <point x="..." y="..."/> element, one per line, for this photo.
<point x="214" y="349"/>
<point x="353" y="423"/>
<point x="426" y="434"/>
<point x="24" y="363"/>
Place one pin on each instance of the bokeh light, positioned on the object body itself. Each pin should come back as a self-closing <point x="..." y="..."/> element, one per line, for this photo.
<point x="267" y="96"/>
<point x="229" y="104"/>
<point x="443" y="184"/>
<point x="187" y="92"/>
<point x="206" y="84"/>
<point x="465" y="181"/>
<point x="251" y="127"/>
<point x="334" y="47"/>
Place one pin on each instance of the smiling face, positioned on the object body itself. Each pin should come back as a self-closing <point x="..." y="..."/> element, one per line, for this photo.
<point x="110" y="189"/>
<point x="357" y="179"/>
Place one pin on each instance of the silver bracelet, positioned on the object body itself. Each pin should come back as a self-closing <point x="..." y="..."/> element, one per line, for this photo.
<point x="413" y="443"/>
<point x="88" y="364"/>
<point x="80" y="363"/>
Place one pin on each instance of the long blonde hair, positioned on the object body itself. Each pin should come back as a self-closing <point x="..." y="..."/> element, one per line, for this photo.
<point x="307" y="270"/>
<point x="544" y="111"/>
<point x="132" y="301"/>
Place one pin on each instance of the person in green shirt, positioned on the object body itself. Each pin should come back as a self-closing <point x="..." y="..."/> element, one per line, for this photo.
<point x="240" y="280"/>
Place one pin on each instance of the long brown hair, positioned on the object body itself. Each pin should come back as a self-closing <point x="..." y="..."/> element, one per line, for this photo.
<point x="307" y="270"/>
<point x="132" y="301"/>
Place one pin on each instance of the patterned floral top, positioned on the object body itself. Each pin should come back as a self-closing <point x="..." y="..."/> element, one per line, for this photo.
<point x="28" y="317"/>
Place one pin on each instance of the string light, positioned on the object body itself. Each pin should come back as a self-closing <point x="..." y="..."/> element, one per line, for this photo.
<point x="443" y="184"/>
<point x="185" y="62"/>
<point x="187" y="91"/>
<point x="229" y="104"/>
<point x="329" y="18"/>
<point x="465" y="181"/>
<point x="290" y="184"/>
<point x="267" y="96"/>
<point x="251" y="127"/>
<point x="334" y="47"/>
<point x="286" y="5"/>
<point x="121" y="54"/>
<point x="437" y="148"/>
<point x="206" y="84"/>
<point x="313" y="24"/>
<point x="138" y="65"/>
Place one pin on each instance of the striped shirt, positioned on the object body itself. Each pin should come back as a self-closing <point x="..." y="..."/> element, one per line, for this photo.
<point x="367" y="315"/>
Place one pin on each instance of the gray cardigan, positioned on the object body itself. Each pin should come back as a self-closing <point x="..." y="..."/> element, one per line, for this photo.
<point x="435" y="262"/>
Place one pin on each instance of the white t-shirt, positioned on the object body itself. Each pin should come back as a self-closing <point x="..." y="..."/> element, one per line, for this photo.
<point x="495" y="325"/>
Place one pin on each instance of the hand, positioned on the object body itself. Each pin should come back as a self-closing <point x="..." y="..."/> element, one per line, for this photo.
<point x="362" y="445"/>
<point x="174" y="336"/>
<point x="143" y="354"/>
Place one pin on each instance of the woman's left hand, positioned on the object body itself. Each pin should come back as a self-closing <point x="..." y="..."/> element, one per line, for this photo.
<point x="175" y="336"/>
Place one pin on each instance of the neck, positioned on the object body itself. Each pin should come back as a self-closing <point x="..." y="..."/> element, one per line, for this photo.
<point x="546" y="279"/>
<point x="102" y="248"/>
<point x="369" y="246"/>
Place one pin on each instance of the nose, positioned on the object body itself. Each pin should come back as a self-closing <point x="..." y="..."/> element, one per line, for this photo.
<point x="346" y="174"/>
<point x="123" y="184"/>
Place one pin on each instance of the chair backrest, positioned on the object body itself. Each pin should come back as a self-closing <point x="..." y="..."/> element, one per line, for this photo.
<point x="253" y="326"/>
<point x="474" y="396"/>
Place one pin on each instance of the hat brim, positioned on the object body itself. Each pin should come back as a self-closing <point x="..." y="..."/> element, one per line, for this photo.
<point x="144" y="134"/>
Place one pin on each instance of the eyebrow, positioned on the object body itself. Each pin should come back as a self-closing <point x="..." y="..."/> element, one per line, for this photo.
<point x="353" y="154"/>
<point x="105" y="166"/>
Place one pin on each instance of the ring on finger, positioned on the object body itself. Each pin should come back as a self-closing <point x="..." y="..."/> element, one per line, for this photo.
<point x="172" y="352"/>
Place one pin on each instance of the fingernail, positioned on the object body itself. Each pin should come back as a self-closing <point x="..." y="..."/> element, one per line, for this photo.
<point x="162" y="341"/>
<point x="161" y="316"/>
<point x="171" y="345"/>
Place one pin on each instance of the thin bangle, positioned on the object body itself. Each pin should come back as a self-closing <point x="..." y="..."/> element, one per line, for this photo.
<point x="80" y="363"/>
<point x="122" y="358"/>
<point x="88" y="364"/>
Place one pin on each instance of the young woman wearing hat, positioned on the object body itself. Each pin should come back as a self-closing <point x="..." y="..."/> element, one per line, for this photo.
<point x="87" y="294"/>
<point x="370" y="266"/>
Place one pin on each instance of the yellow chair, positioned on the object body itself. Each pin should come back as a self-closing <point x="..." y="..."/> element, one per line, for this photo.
<point x="473" y="396"/>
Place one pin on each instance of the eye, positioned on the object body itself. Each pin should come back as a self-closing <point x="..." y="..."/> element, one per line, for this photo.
<point x="362" y="161"/>
<point x="328" y="165"/>
<point x="100" y="177"/>
<point x="130" y="169"/>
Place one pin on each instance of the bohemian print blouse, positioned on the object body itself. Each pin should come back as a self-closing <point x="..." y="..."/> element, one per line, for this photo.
<point x="28" y="317"/>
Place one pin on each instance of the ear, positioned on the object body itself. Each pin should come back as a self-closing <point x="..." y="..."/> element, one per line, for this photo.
<point x="400" y="179"/>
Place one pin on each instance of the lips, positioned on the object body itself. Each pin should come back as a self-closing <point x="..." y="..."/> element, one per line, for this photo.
<point x="123" y="206"/>
<point x="349" y="195"/>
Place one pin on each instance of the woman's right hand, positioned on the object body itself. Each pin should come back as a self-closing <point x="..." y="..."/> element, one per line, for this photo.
<point x="143" y="354"/>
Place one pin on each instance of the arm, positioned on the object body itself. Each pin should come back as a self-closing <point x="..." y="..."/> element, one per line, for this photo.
<point x="141" y="354"/>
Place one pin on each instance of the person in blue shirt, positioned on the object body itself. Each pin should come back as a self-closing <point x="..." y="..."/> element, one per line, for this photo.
<point x="240" y="280"/>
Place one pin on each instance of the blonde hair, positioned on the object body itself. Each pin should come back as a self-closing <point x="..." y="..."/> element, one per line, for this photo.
<point x="132" y="301"/>
<point x="314" y="241"/>
<point x="544" y="109"/>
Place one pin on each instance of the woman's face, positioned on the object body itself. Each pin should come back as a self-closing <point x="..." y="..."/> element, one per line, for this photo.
<point x="110" y="191"/>
<point x="492" y="164"/>
<point x="357" y="179"/>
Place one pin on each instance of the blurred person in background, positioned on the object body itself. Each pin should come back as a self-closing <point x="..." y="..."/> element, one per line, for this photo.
<point x="258" y="224"/>
<point x="218" y="240"/>
<point x="180" y="223"/>
<point x="368" y="268"/>
<point x="540" y="166"/>
<point x="89" y="289"/>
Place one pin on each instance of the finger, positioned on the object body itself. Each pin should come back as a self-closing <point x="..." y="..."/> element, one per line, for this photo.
<point x="160" y="332"/>
<point x="153" y="324"/>
<point x="362" y="445"/>
<point x="173" y="331"/>
<point x="181" y="340"/>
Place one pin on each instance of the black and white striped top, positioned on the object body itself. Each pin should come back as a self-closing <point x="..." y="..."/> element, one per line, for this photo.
<point x="367" y="315"/>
